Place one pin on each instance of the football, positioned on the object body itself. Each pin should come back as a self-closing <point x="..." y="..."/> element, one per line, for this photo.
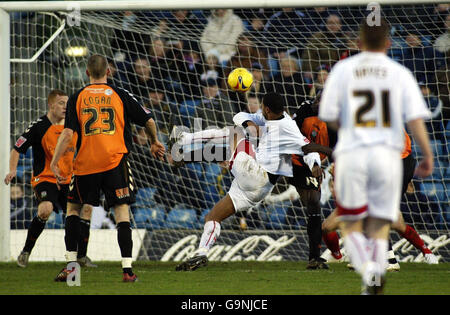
<point x="240" y="79"/>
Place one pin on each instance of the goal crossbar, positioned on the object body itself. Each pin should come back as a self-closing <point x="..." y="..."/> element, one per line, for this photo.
<point x="121" y="5"/>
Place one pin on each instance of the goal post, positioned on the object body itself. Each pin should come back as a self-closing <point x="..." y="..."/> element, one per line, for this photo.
<point x="44" y="45"/>
<point x="4" y="137"/>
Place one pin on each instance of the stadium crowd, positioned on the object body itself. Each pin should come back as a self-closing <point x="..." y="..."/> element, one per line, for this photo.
<point x="179" y="71"/>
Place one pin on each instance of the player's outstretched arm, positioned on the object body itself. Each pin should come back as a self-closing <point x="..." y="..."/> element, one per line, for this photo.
<point x="63" y="142"/>
<point x="13" y="162"/>
<point x="157" y="149"/>
<point x="418" y="131"/>
<point x="314" y="147"/>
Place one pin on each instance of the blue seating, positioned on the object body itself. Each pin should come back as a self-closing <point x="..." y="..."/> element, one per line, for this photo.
<point x="437" y="147"/>
<point x="188" y="107"/>
<point x="145" y="198"/>
<point x="277" y="217"/>
<point x="182" y="218"/>
<point x="434" y="190"/>
<point x="55" y="221"/>
<point x="150" y="219"/>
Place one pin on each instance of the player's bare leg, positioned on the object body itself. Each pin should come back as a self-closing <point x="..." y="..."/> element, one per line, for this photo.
<point x="45" y="209"/>
<point x="211" y="231"/>
<point x="124" y="238"/>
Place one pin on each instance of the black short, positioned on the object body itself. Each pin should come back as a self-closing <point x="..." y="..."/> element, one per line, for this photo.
<point x="409" y="166"/>
<point x="46" y="191"/>
<point x="303" y="178"/>
<point x="117" y="185"/>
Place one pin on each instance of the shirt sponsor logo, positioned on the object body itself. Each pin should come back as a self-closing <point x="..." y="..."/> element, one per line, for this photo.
<point x="20" y="141"/>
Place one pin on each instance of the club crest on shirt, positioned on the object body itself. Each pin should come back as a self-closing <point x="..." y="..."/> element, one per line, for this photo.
<point x="122" y="193"/>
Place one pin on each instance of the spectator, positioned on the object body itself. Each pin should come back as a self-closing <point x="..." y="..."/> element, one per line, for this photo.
<point x="191" y="70"/>
<point x="443" y="88"/>
<point x="157" y="58"/>
<point x="419" y="59"/>
<point x="259" y="84"/>
<point x="246" y="54"/>
<point x="319" y="79"/>
<point x="178" y="25"/>
<point x="221" y="33"/>
<point x="141" y="78"/>
<point x="290" y="83"/>
<point x="316" y="17"/>
<point x="286" y="31"/>
<point x="255" y="30"/>
<point x="116" y="76"/>
<point x="215" y="109"/>
<point x="21" y="208"/>
<point x="351" y="46"/>
<point x="213" y="69"/>
<point x="127" y="43"/>
<point x="160" y="106"/>
<point x="253" y="103"/>
<point x="442" y="43"/>
<point x="435" y="125"/>
<point x="323" y="48"/>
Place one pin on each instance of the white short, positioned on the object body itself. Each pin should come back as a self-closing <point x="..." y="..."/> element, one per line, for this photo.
<point x="250" y="184"/>
<point x="368" y="182"/>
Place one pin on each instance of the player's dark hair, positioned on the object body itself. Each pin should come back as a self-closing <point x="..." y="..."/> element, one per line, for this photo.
<point x="374" y="37"/>
<point x="54" y="93"/>
<point x="97" y="66"/>
<point x="274" y="101"/>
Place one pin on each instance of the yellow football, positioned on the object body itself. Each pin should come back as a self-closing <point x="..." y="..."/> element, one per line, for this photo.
<point x="240" y="79"/>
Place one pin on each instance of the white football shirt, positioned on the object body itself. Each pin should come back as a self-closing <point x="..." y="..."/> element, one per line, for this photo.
<point x="372" y="97"/>
<point x="278" y="140"/>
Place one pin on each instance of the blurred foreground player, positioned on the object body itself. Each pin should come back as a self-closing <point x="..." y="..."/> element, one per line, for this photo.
<point x="367" y="98"/>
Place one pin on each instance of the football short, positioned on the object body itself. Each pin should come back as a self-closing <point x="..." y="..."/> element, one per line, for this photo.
<point x="47" y="191"/>
<point x="117" y="184"/>
<point x="409" y="166"/>
<point x="303" y="178"/>
<point x="368" y="182"/>
<point x="251" y="182"/>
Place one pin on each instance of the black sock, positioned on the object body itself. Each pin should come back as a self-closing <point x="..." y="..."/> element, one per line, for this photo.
<point x="35" y="229"/>
<point x="125" y="240"/>
<point x="72" y="233"/>
<point x="314" y="230"/>
<point x="85" y="226"/>
<point x="128" y="271"/>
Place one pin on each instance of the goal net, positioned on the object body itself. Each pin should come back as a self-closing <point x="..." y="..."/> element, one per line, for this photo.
<point x="176" y="64"/>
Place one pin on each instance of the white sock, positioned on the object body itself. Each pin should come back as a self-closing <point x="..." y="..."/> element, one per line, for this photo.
<point x="379" y="254"/>
<point x="355" y="245"/>
<point x="126" y="262"/>
<point x="71" y="256"/>
<point x="211" y="135"/>
<point x="211" y="232"/>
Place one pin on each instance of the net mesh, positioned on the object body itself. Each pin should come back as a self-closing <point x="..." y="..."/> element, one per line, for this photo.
<point x="176" y="63"/>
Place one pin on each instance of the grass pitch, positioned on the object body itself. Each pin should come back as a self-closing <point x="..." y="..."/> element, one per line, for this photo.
<point x="221" y="278"/>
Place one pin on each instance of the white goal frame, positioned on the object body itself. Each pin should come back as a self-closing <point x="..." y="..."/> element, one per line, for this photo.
<point x="118" y="5"/>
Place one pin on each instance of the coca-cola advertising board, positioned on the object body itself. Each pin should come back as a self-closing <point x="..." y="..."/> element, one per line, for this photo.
<point x="258" y="245"/>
